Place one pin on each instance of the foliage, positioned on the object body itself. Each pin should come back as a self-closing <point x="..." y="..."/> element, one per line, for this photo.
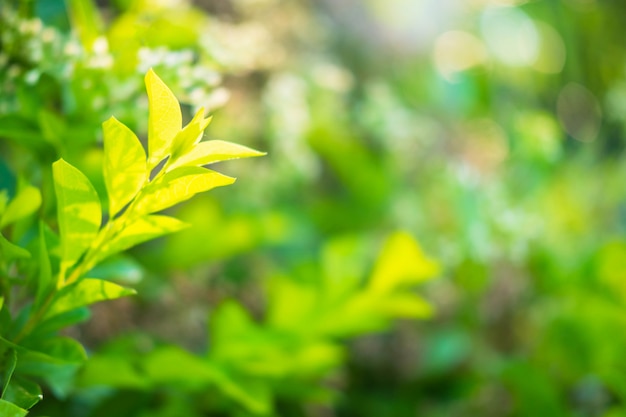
<point x="55" y="277"/>
<point x="493" y="130"/>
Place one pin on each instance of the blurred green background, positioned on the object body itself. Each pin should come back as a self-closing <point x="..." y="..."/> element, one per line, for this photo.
<point x="492" y="131"/>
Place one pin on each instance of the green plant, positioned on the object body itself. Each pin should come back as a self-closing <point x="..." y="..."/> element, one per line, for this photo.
<point x="45" y="278"/>
<point x="287" y="356"/>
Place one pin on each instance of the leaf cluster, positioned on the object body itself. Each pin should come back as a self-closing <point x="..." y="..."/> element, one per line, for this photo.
<point x="52" y="271"/>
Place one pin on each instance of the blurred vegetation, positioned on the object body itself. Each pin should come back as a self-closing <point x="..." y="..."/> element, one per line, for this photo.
<point x="492" y="131"/>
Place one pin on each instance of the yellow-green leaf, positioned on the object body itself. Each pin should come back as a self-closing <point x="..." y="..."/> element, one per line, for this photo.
<point x="84" y="292"/>
<point x="125" y="168"/>
<point x="406" y="305"/>
<point x="25" y="203"/>
<point x="164" y="120"/>
<point x="401" y="263"/>
<point x="179" y="185"/>
<point x="190" y="135"/>
<point x="4" y="200"/>
<point x="214" y="151"/>
<point x="141" y="230"/>
<point x="79" y="211"/>
<point x="8" y="409"/>
<point x="10" y="251"/>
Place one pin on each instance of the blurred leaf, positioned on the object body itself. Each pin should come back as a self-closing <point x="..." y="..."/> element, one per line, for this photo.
<point x="4" y="200"/>
<point x="85" y="20"/>
<point x="120" y="268"/>
<point x="53" y="127"/>
<point x="10" y="252"/>
<point x="611" y="266"/>
<point x="62" y="320"/>
<point x="229" y="321"/>
<point x="173" y="365"/>
<point x="84" y="292"/>
<point x="358" y="314"/>
<point x="22" y="131"/>
<point x="534" y="392"/>
<point x="112" y="371"/>
<point x="44" y="278"/>
<point x="23" y="393"/>
<point x="79" y="212"/>
<point x="164" y="121"/>
<point x="292" y="305"/>
<point x="7" y="367"/>
<point x="179" y="185"/>
<point x="8" y="409"/>
<point x="55" y="362"/>
<point x="25" y="203"/>
<point x="125" y="169"/>
<point x="406" y="305"/>
<point x="211" y="151"/>
<point x="401" y="263"/>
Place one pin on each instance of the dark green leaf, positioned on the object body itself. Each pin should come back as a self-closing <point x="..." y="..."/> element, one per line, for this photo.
<point x="55" y="362"/>
<point x="23" y="392"/>
<point x="7" y="365"/>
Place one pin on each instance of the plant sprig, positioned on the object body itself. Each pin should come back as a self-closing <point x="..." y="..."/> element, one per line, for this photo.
<point x="138" y="185"/>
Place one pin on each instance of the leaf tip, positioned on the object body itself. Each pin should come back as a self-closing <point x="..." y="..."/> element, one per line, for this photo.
<point x="110" y="120"/>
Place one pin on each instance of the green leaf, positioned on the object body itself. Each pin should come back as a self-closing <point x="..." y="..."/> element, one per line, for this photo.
<point x="7" y="365"/>
<point x="214" y="151"/>
<point x="141" y="230"/>
<point x="125" y="168"/>
<point x="53" y="127"/>
<point x="23" y="393"/>
<point x="121" y="269"/>
<point x="8" y="409"/>
<point x="25" y="203"/>
<point x="86" y="21"/>
<point x="79" y="212"/>
<point x="401" y="263"/>
<point x="173" y="365"/>
<point x="179" y="185"/>
<point x="254" y="395"/>
<point x="84" y="292"/>
<point x="60" y="321"/>
<point x="291" y="304"/>
<point x="164" y="121"/>
<point x="4" y="200"/>
<point x="98" y="372"/>
<point x="9" y="251"/>
<point x="55" y="362"/>
<point x="190" y="135"/>
<point x="44" y="282"/>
